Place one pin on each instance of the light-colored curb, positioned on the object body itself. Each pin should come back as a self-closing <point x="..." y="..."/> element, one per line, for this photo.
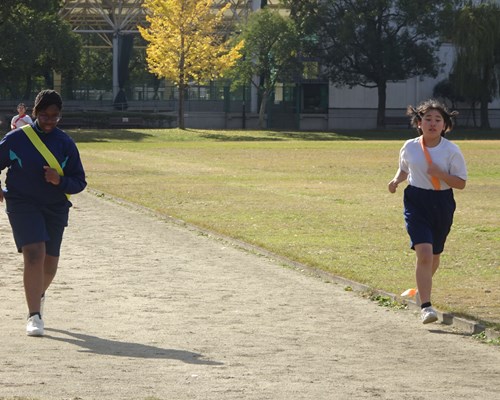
<point x="492" y="334"/>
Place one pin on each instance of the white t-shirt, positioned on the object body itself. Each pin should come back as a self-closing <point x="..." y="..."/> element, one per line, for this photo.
<point x="18" y="121"/>
<point x="446" y="155"/>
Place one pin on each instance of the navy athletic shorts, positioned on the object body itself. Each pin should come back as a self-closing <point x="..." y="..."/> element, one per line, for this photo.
<point x="33" y="223"/>
<point x="428" y="216"/>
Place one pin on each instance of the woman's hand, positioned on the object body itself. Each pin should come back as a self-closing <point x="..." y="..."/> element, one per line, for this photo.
<point x="52" y="176"/>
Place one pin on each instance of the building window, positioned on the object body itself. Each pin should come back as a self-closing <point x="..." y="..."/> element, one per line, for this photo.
<point x="315" y="98"/>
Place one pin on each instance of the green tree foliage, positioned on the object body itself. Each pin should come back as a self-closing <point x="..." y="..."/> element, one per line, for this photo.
<point x="373" y="42"/>
<point x="97" y="67"/>
<point x="34" y="42"/>
<point x="477" y="64"/>
<point x="446" y="90"/>
<point x="270" y="53"/>
<point x="304" y="13"/>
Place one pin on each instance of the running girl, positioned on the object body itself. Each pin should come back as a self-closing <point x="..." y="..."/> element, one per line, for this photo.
<point x="433" y="166"/>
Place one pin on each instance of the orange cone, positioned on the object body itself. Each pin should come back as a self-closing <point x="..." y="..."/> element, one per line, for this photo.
<point x="409" y="293"/>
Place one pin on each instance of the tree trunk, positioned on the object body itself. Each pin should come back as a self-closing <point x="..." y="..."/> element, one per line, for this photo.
<point x="473" y="111"/>
<point x="29" y="85"/>
<point x="182" y="84"/>
<point x="49" y="79"/>
<point x="262" y="111"/>
<point x="485" y="97"/>
<point x="485" y="120"/>
<point x="382" y="96"/>
<point x="182" y="89"/>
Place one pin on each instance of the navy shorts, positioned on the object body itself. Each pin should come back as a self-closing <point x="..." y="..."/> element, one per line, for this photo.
<point x="33" y="223"/>
<point x="428" y="216"/>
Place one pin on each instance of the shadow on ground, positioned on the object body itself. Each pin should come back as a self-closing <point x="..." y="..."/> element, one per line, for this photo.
<point x="107" y="135"/>
<point x="138" y="135"/>
<point x="108" y="347"/>
<point x="445" y="332"/>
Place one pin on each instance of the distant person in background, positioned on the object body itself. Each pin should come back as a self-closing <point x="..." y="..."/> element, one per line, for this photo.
<point x="21" y="118"/>
<point x="43" y="168"/>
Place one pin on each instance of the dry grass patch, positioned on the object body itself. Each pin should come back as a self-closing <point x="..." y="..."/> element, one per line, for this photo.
<point x="321" y="202"/>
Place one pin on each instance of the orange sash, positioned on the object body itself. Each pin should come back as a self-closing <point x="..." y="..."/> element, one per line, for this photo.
<point x="435" y="181"/>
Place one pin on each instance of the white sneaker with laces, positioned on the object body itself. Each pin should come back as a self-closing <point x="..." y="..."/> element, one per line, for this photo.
<point x="428" y="315"/>
<point x="34" y="327"/>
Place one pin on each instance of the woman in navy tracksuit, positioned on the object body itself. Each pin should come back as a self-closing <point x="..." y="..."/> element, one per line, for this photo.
<point x="36" y="201"/>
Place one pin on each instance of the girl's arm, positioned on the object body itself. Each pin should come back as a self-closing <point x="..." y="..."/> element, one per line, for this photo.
<point x="451" y="180"/>
<point x="400" y="177"/>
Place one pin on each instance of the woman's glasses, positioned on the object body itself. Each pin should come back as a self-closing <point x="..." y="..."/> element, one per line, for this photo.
<point x="46" y="118"/>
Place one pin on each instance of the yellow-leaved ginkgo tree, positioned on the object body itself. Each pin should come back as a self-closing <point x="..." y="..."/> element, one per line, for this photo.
<point x="186" y="44"/>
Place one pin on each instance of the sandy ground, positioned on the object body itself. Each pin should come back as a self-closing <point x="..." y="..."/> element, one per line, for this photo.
<point x="146" y="307"/>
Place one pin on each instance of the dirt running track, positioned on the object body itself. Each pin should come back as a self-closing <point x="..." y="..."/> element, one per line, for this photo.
<point x="144" y="307"/>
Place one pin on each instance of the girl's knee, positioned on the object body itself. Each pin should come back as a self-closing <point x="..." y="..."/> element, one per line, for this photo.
<point x="34" y="253"/>
<point x="424" y="254"/>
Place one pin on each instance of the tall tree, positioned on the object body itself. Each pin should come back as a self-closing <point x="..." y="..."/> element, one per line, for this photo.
<point x="477" y="64"/>
<point x="34" y="42"/>
<point x="270" y="52"/>
<point x="373" y="42"/>
<point x="446" y="90"/>
<point x="186" y="43"/>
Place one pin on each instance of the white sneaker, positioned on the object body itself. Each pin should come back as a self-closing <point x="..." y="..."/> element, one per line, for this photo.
<point x="428" y="315"/>
<point x="34" y="327"/>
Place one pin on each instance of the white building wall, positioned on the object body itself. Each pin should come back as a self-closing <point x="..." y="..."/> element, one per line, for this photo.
<point x="399" y="94"/>
<point x="356" y="107"/>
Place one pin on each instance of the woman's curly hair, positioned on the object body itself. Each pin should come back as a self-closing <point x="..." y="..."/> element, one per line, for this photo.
<point x="416" y="114"/>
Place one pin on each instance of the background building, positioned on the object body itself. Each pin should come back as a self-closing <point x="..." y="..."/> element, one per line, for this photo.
<point x="109" y="29"/>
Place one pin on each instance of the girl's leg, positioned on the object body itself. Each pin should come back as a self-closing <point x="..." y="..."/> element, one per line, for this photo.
<point x="435" y="263"/>
<point x="424" y="270"/>
<point x="49" y="270"/>
<point x="34" y="256"/>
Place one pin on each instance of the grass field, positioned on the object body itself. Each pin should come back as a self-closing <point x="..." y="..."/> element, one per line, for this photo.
<point x="317" y="198"/>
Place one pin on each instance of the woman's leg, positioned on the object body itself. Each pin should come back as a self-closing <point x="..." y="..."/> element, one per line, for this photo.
<point x="34" y="258"/>
<point x="49" y="270"/>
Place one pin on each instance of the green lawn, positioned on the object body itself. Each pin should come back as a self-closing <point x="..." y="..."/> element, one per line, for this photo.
<point x="317" y="198"/>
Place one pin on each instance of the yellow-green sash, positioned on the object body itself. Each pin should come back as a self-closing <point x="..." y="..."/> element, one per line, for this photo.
<point x="44" y="151"/>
